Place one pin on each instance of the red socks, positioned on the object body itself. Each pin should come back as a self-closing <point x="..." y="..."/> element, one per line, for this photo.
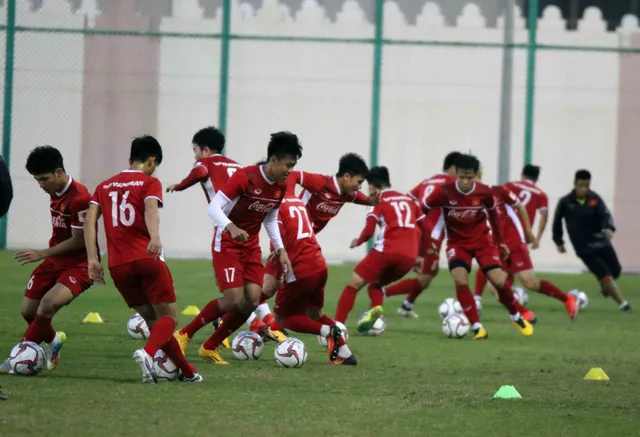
<point x="161" y="333"/>
<point x="302" y="324"/>
<point x="345" y="303"/>
<point x="231" y="323"/>
<point x="208" y="314"/>
<point x="468" y="303"/>
<point x="375" y="295"/>
<point x="481" y="281"/>
<point x="173" y="351"/>
<point x="506" y="298"/>
<point x="40" y="330"/>
<point x="326" y="320"/>
<point x="548" y="289"/>
<point x="407" y="286"/>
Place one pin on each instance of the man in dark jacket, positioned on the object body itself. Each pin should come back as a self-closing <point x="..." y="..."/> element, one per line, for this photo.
<point x="6" y="189"/>
<point x="590" y="227"/>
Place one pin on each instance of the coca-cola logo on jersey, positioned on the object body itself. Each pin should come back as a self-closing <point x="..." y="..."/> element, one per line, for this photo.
<point x="462" y="214"/>
<point x="262" y="207"/>
<point x="58" y="222"/>
<point x="328" y="208"/>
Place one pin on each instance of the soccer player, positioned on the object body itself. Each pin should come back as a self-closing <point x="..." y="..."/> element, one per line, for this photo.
<point x="435" y="235"/>
<point x="300" y="299"/>
<point x="465" y="206"/>
<point x="250" y="198"/>
<point x="130" y="202"/>
<point x="6" y="188"/>
<point x="62" y="276"/>
<point x="212" y="171"/>
<point x="395" y="252"/>
<point x="590" y="227"/>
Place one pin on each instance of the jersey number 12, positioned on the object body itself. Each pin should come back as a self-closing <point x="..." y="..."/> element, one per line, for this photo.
<point x="403" y="211"/>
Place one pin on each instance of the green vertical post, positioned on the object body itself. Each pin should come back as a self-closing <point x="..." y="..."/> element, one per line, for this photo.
<point x="10" y="39"/>
<point x="376" y="90"/>
<point x="532" y="21"/>
<point x="224" y="65"/>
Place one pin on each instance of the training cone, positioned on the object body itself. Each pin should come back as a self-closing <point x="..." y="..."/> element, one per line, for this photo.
<point x="596" y="374"/>
<point x="191" y="310"/>
<point x="507" y="392"/>
<point x="93" y="318"/>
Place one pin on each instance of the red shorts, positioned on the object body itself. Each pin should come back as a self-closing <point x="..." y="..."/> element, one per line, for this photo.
<point x="519" y="259"/>
<point x="380" y="269"/>
<point x="488" y="257"/>
<point x="274" y="268"/>
<point x="46" y="275"/>
<point x="295" y="297"/>
<point x="236" y="265"/>
<point x="144" y="281"/>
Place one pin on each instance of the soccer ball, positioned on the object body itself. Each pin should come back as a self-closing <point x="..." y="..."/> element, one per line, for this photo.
<point x="449" y="307"/>
<point x="583" y="300"/>
<point x="345" y="334"/>
<point x="455" y="325"/>
<point x="521" y="295"/>
<point x="291" y="353"/>
<point x="164" y="367"/>
<point x="26" y="358"/>
<point x="247" y="345"/>
<point x="378" y="327"/>
<point x="137" y="327"/>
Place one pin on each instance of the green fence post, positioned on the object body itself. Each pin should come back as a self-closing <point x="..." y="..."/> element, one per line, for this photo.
<point x="376" y="91"/>
<point x="532" y="20"/>
<point x="224" y="66"/>
<point x="8" y="100"/>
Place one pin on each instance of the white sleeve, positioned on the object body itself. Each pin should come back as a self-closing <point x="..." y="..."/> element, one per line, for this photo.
<point x="216" y="210"/>
<point x="273" y="229"/>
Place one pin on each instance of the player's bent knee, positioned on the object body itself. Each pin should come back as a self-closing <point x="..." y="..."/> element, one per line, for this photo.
<point x="28" y="315"/>
<point x="425" y="280"/>
<point x="164" y="309"/>
<point x="314" y="313"/>
<point x="458" y="263"/>
<point x="357" y="281"/>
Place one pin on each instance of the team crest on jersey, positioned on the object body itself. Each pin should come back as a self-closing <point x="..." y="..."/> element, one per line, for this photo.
<point x="593" y="202"/>
<point x="278" y="193"/>
<point x="453" y="202"/>
<point x="258" y="192"/>
<point x="475" y="202"/>
<point x="62" y="207"/>
<point x="327" y="195"/>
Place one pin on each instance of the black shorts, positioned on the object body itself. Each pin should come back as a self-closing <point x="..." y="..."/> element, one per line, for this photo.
<point x="603" y="262"/>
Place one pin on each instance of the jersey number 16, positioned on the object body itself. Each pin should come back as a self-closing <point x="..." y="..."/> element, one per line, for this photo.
<point x="123" y="213"/>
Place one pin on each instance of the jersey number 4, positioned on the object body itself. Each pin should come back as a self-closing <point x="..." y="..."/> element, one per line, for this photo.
<point x="121" y="214"/>
<point x="303" y="221"/>
<point x="403" y="211"/>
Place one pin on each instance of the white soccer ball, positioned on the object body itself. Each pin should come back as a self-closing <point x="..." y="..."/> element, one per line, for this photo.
<point x="26" y="358"/>
<point x="247" y="346"/>
<point x="291" y="353"/>
<point x="455" y="326"/>
<point x="521" y="295"/>
<point x="378" y="327"/>
<point x="583" y="300"/>
<point x="345" y="334"/>
<point x="449" y="307"/>
<point x="137" y="327"/>
<point x="164" y="367"/>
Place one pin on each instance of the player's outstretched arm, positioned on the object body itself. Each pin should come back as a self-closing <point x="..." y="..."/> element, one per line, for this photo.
<point x="524" y="217"/>
<point x="557" y="226"/>
<point x="197" y="174"/>
<point x="72" y="244"/>
<point x="542" y="224"/>
<point x="367" y="232"/>
<point x="91" y="243"/>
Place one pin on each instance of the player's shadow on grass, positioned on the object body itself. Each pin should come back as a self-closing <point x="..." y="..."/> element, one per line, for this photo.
<point x="97" y="378"/>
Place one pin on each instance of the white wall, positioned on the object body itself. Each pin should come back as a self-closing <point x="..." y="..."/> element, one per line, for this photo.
<point x="434" y="100"/>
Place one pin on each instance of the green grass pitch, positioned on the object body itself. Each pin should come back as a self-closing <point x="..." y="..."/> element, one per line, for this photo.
<point x="411" y="381"/>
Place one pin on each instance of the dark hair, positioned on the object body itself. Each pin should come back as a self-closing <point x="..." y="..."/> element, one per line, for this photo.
<point x="145" y="147"/>
<point x="44" y="159"/>
<point x="531" y="171"/>
<point x="582" y="175"/>
<point x="209" y="137"/>
<point x="378" y="177"/>
<point x="467" y="162"/>
<point x="284" y="144"/>
<point x="450" y="160"/>
<point x="353" y="164"/>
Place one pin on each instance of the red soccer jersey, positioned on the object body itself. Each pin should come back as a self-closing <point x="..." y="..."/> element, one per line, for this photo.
<point x="464" y="213"/>
<point x="435" y="219"/>
<point x="68" y="210"/>
<point x="212" y="172"/>
<point x="121" y="199"/>
<point x="397" y="215"/>
<point x="299" y="239"/>
<point x="251" y="198"/>
<point x="322" y="196"/>
<point x="532" y="198"/>
<point x="512" y="229"/>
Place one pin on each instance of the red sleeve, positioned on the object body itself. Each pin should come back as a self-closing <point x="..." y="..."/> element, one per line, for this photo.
<point x="96" y="196"/>
<point x="544" y="201"/>
<point x="153" y="189"/>
<point x="432" y="198"/>
<point x="197" y="174"/>
<point x="236" y="185"/>
<point x="415" y="193"/>
<point x="506" y="195"/>
<point x="424" y="234"/>
<point x="312" y="182"/>
<point x="494" y="220"/>
<point x="79" y="208"/>
<point x="369" y="229"/>
<point x="292" y="180"/>
<point x="359" y="198"/>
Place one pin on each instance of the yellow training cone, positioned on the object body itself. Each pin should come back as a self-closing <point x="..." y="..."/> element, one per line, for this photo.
<point x="191" y="310"/>
<point x="93" y="318"/>
<point x="596" y="374"/>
